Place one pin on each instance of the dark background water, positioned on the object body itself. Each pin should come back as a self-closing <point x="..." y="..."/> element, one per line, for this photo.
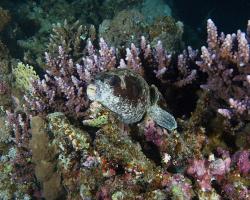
<point x="228" y="15"/>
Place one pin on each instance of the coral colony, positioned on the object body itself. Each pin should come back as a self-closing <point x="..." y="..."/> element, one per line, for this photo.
<point x="60" y="140"/>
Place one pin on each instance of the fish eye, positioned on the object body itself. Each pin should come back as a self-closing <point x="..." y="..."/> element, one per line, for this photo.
<point x="114" y="80"/>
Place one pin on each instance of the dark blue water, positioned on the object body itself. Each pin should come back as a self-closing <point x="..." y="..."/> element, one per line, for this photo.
<point x="229" y="15"/>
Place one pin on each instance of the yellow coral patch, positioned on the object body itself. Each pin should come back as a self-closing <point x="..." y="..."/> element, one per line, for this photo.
<point x="24" y="74"/>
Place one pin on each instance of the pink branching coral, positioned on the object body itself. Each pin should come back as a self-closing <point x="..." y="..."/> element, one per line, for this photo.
<point x="23" y="168"/>
<point x="179" y="71"/>
<point x="64" y="84"/>
<point x="226" y="62"/>
<point x="59" y="89"/>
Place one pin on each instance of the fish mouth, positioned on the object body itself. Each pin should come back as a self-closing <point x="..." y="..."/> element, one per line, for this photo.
<point x="91" y="91"/>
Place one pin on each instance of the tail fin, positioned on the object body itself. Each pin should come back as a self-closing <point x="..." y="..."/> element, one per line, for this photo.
<point x="162" y="117"/>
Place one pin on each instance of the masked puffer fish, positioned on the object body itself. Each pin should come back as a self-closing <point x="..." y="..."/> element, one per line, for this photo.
<point x="128" y="95"/>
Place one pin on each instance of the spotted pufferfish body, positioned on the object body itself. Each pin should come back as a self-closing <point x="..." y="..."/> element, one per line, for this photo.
<point x="128" y="95"/>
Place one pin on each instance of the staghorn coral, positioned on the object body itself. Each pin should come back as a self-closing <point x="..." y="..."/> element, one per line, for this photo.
<point x="21" y="182"/>
<point x="72" y="37"/>
<point x="226" y="62"/>
<point x="19" y="123"/>
<point x="171" y="71"/>
<point x="59" y="85"/>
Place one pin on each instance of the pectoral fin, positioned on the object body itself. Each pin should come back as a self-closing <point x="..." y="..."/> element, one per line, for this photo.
<point x="162" y="117"/>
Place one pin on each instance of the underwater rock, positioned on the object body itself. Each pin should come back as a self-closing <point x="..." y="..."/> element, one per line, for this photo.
<point x="178" y="187"/>
<point x="62" y="129"/>
<point x="40" y="140"/>
<point x="52" y="187"/>
<point x="119" y="155"/>
<point x="168" y="31"/>
<point x="43" y="155"/>
<point x="125" y="28"/>
<point x="153" y="9"/>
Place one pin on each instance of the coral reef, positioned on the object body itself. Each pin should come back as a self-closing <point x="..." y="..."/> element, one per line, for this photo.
<point x="59" y="144"/>
<point x="178" y="156"/>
